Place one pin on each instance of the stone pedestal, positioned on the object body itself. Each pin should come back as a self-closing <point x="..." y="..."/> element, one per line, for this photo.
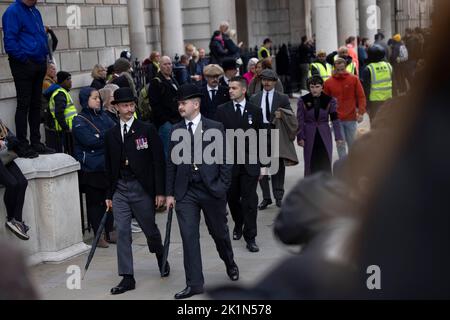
<point x="51" y="209"/>
<point x="325" y="25"/>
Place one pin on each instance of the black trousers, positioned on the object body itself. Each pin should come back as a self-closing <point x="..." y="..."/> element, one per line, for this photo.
<point x="15" y="187"/>
<point x="28" y="78"/>
<point x="96" y="207"/>
<point x="277" y="183"/>
<point x="188" y="210"/>
<point x="243" y="202"/>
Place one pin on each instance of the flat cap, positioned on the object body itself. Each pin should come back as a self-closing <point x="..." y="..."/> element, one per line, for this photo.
<point x="269" y="74"/>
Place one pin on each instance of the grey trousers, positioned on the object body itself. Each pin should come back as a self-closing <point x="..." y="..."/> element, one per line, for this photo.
<point x="277" y="184"/>
<point x="131" y="200"/>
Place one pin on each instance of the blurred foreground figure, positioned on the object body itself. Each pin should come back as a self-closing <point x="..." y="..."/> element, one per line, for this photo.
<point x="385" y="210"/>
<point x="14" y="281"/>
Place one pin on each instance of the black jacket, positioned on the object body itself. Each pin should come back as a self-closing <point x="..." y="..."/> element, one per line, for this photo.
<point x="208" y="108"/>
<point x="251" y="119"/>
<point x="162" y="97"/>
<point x="146" y="164"/>
<point x="216" y="177"/>
<point x="98" y="83"/>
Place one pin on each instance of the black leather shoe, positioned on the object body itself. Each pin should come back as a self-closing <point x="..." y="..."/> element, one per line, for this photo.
<point x="188" y="292"/>
<point x="252" y="247"/>
<point x="167" y="269"/>
<point x="264" y="204"/>
<point x="125" y="285"/>
<point x="42" y="148"/>
<point x="237" y="233"/>
<point x="233" y="272"/>
<point x="279" y="203"/>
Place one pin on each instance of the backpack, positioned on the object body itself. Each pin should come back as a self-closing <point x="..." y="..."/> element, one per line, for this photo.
<point x="143" y="107"/>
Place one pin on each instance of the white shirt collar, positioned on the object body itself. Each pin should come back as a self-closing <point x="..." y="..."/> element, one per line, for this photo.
<point x="211" y="88"/>
<point x="271" y="92"/>
<point x="195" y="122"/>
<point x="242" y="104"/>
<point x="129" y="123"/>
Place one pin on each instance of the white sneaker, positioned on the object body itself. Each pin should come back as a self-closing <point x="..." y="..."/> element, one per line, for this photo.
<point x="18" y="228"/>
<point x="135" y="226"/>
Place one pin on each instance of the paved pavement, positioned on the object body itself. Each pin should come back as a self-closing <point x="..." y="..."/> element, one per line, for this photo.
<point x="51" y="280"/>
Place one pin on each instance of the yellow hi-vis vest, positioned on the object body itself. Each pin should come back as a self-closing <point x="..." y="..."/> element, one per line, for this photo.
<point x="69" y="112"/>
<point x="350" y="68"/>
<point x="260" y="51"/>
<point x="381" y="81"/>
<point x="325" y="73"/>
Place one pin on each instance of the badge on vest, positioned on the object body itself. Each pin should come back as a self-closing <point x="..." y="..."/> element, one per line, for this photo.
<point x="141" y="143"/>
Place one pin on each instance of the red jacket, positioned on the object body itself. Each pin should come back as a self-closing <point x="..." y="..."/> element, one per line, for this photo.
<point x="348" y="91"/>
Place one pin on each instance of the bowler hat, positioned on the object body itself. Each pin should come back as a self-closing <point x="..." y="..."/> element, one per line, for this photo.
<point x="229" y="64"/>
<point x="188" y="91"/>
<point x="269" y="74"/>
<point x="123" y="95"/>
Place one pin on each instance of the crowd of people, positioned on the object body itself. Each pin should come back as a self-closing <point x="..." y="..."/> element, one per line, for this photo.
<point x="123" y="134"/>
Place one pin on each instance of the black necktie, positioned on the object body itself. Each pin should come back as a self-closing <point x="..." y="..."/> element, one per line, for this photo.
<point x="191" y="132"/>
<point x="238" y="112"/>
<point x="267" y="107"/>
<point x="125" y="131"/>
<point x="213" y="94"/>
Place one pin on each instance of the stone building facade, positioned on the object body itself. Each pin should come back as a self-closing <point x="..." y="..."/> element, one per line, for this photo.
<point x="96" y="31"/>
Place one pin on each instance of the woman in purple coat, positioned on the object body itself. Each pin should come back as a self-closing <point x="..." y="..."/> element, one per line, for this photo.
<point x="314" y="112"/>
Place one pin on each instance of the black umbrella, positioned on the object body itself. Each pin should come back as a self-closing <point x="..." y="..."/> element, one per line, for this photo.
<point x="166" y="241"/>
<point x="95" y="242"/>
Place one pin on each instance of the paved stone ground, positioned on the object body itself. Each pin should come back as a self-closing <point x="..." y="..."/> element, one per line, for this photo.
<point x="102" y="275"/>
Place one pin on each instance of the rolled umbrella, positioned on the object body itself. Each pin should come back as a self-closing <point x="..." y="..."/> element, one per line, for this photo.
<point x="166" y="241"/>
<point x="95" y="242"/>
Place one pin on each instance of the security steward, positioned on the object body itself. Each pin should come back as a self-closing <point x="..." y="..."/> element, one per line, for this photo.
<point x="320" y="67"/>
<point x="198" y="186"/>
<point x="135" y="168"/>
<point x="242" y="196"/>
<point x="377" y="80"/>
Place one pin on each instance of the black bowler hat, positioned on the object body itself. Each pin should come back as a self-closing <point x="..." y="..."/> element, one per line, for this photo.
<point x="123" y="95"/>
<point x="229" y="64"/>
<point x="188" y="91"/>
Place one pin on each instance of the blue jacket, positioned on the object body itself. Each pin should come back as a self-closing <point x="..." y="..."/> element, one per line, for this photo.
<point x="25" y="37"/>
<point x="89" y="144"/>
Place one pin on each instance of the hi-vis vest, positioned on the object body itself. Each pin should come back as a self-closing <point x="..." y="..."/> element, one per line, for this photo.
<point x="350" y="68"/>
<point x="260" y="51"/>
<point x="69" y="112"/>
<point x="325" y="73"/>
<point x="381" y="81"/>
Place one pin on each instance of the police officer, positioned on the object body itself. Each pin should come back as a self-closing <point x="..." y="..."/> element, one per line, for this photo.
<point x="134" y="162"/>
<point x="196" y="187"/>
<point x="377" y="80"/>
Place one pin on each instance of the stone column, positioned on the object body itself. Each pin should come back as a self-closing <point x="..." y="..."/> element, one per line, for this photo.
<point x="138" y="41"/>
<point x="324" y="24"/>
<point x="346" y="19"/>
<point x="308" y="19"/>
<point x="386" y="17"/>
<point x="220" y="10"/>
<point x="172" y="40"/>
<point x="368" y="19"/>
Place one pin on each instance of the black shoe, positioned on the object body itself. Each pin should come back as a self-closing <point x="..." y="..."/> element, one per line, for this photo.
<point x="41" y="148"/>
<point x="252" y="247"/>
<point x="278" y="203"/>
<point x="188" y="292"/>
<point x="127" y="284"/>
<point x="233" y="272"/>
<point x="18" y="228"/>
<point x="24" y="150"/>
<point x="167" y="268"/>
<point x="237" y="233"/>
<point x="264" y="204"/>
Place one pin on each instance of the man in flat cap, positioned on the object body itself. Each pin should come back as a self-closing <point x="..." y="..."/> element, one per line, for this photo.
<point x="230" y="69"/>
<point x="270" y="101"/>
<point x="214" y="94"/>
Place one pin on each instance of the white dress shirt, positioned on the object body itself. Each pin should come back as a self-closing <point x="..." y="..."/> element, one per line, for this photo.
<point x="242" y="104"/>
<point x="194" y="121"/>
<point x="129" y="124"/>
<point x="210" y="91"/>
<point x="266" y="118"/>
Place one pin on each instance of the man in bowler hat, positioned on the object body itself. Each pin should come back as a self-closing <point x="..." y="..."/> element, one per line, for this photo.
<point x="135" y="167"/>
<point x="197" y="186"/>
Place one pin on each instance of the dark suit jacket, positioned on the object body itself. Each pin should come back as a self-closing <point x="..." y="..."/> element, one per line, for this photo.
<point x="162" y="98"/>
<point x="147" y="164"/>
<point x="208" y="108"/>
<point x="223" y="83"/>
<point x="280" y="100"/>
<point x="216" y="177"/>
<point x="227" y="116"/>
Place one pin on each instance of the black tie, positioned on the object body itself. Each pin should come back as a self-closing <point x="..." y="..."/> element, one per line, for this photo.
<point x="125" y="131"/>
<point x="238" y="112"/>
<point x="267" y="107"/>
<point x="213" y="94"/>
<point x="191" y="132"/>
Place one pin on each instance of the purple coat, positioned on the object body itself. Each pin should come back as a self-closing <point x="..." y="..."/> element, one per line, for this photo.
<point x="307" y="125"/>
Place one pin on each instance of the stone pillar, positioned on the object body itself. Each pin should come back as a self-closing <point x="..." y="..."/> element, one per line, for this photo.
<point x="346" y="19"/>
<point x="368" y="19"/>
<point x="308" y="19"/>
<point x="220" y="10"/>
<point x="325" y="25"/>
<point x="172" y="40"/>
<point x="386" y="17"/>
<point x="138" y="41"/>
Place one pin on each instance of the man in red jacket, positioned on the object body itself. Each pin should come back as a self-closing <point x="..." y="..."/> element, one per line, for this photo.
<point x="348" y="91"/>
